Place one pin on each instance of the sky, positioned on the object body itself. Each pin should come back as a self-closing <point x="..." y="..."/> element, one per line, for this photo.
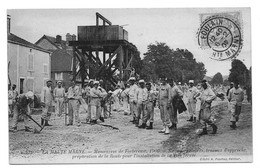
<point x="177" y="27"/>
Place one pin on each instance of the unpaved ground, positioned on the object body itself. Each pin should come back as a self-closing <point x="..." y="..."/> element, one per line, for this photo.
<point x="85" y="144"/>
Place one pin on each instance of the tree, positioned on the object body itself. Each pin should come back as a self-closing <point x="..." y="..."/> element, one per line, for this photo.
<point x="217" y="79"/>
<point x="162" y="61"/>
<point x="239" y="72"/>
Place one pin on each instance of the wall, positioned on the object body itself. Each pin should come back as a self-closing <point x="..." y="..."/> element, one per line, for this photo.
<point x="46" y="45"/>
<point x="18" y="55"/>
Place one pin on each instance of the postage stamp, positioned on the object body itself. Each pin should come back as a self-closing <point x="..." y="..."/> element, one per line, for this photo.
<point x="221" y="34"/>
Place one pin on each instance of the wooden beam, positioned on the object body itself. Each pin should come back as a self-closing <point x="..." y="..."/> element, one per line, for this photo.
<point x="74" y="65"/>
<point x="109" y="59"/>
<point x="103" y="18"/>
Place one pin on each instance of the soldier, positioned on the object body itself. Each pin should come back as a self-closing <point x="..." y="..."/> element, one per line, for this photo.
<point x="175" y="94"/>
<point x="46" y="102"/>
<point x="95" y="103"/>
<point x="192" y="91"/>
<point x="102" y="109"/>
<point x="206" y="117"/>
<point x="149" y="105"/>
<point x="74" y="96"/>
<point x="141" y="95"/>
<point x="235" y="97"/>
<point x="125" y="97"/>
<point x="116" y="94"/>
<point x="230" y="87"/>
<point x="164" y="102"/>
<point x="88" y="99"/>
<point x="10" y="101"/>
<point x="133" y="99"/>
<point x="21" y="107"/>
<point x="59" y="94"/>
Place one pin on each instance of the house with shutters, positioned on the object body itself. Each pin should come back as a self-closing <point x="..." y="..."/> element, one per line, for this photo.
<point x="28" y="64"/>
<point x="61" y="56"/>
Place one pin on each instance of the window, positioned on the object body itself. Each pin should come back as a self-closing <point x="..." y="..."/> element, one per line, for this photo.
<point x="59" y="76"/>
<point x="30" y="84"/>
<point x="45" y="68"/>
<point x="30" y="62"/>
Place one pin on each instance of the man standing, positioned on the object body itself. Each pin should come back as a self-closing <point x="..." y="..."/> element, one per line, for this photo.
<point x="133" y="99"/>
<point x="95" y="103"/>
<point x="192" y="91"/>
<point x="235" y="97"/>
<point x="88" y="99"/>
<point x="46" y="102"/>
<point x="149" y="105"/>
<point x="59" y="94"/>
<point x="101" y="112"/>
<point x="164" y="102"/>
<point x="230" y="87"/>
<point x="175" y="93"/>
<point x="74" y="96"/>
<point x="125" y="97"/>
<point x="207" y="96"/>
<point x="141" y="95"/>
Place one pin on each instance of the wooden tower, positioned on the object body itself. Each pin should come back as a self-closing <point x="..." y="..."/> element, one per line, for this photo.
<point x="108" y="42"/>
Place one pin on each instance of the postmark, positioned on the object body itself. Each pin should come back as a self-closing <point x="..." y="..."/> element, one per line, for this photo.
<point x="221" y="35"/>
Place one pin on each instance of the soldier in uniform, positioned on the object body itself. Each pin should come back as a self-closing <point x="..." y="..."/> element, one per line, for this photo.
<point x="192" y="91"/>
<point x="101" y="112"/>
<point x="235" y="97"/>
<point x="164" y="102"/>
<point x="206" y="117"/>
<point x="149" y="105"/>
<point x="125" y="97"/>
<point x="21" y="107"/>
<point x="74" y="96"/>
<point x="141" y="95"/>
<point x="88" y="99"/>
<point x="59" y="95"/>
<point x="95" y="102"/>
<point x="175" y="92"/>
<point x="133" y="99"/>
<point x="46" y="102"/>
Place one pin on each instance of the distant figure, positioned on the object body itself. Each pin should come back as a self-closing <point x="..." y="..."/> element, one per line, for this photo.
<point x="235" y="97"/>
<point x="192" y="91"/>
<point x="230" y="87"/>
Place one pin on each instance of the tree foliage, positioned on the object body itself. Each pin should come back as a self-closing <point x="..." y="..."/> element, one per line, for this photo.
<point x="239" y="73"/>
<point x="217" y="79"/>
<point x="162" y="61"/>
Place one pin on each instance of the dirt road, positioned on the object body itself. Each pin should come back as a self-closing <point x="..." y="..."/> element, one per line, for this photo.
<point x="96" y="143"/>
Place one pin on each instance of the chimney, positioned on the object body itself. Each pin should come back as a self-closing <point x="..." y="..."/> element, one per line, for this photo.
<point x="8" y="24"/>
<point x="58" y="39"/>
<point x="68" y="37"/>
<point x="74" y="37"/>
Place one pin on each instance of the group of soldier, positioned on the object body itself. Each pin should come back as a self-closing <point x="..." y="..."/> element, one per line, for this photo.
<point x="138" y="99"/>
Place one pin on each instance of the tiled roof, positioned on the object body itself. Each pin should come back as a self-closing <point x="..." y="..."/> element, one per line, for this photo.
<point x="18" y="40"/>
<point x="61" y="61"/>
<point x="52" y="40"/>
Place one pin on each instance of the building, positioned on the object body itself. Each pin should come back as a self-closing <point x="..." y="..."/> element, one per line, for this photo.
<point x="28" y="64"/>
<point x="61" y="57"/>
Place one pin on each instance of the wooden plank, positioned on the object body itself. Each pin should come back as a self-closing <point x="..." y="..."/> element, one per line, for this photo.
<point x="98" y="15"/>
<point x="109" y="59"/>
<point x="74" y="65"/>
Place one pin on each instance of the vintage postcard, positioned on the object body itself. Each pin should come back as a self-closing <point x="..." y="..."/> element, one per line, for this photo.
<point x="129" y="85"/>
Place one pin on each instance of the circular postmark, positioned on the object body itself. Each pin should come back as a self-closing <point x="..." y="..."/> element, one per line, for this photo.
<point x="222" y="36"/>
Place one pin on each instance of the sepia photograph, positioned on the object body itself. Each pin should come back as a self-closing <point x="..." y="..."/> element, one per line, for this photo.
<point x="129" y="85"/>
